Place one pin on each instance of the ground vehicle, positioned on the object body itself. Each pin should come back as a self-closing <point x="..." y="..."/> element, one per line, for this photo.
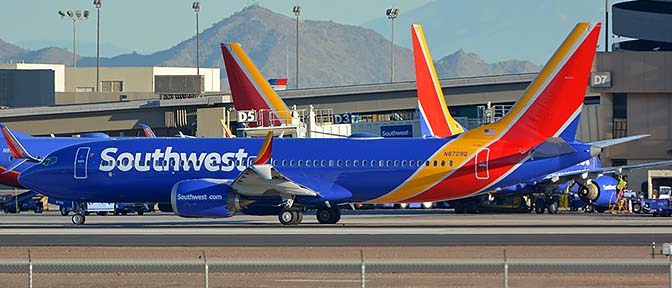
<point x="93" y="207"/>
<point x="658" y="207"/>
<point x="25" y="201"/>
<point x="125" y="208"/>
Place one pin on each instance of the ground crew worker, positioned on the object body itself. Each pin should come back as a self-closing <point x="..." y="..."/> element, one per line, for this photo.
<point x="622" y="185"/>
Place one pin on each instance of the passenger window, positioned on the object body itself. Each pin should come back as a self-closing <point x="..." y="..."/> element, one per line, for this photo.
<point x="284" y="163"/>
<point x="450" y="163"/>
<point x="389" y="163"/>
<point x="300" y="163"/>
<point x="373" y="163"/>
<point x="339" y="163"/>
<point x="403" y="163"/>
<point x="355" y="163"/>
<point x="436" y="163"/>
<point x="364" y="163"/>
<point x="331" y="163"/>
<point x="275" y="163"/>
<point x="316" y="163"/>
<point x="307" y="163"/>
<point x="347" y="163"/>
<point x="381" y="163"/>
<point x="419" y="163"/>
<point x="427" y="163"/>
<point x="443" y="163"/>
<point x="411" y="163"/>
<point x="291" y="163"/>
<point x="396" y="163"/>
<point x="323" y="163"/>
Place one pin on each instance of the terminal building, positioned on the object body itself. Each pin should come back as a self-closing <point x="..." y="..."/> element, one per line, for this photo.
<point x="629" y="94"/>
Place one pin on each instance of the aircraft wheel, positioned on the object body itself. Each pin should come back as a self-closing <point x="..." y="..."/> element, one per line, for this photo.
<point x="78" y="219"/>
<point x="328" y="215"/>
<point x="552" y="207"/>
<point x="287" y="217"/>
<point x="298" y="216"/>
<point x="539" y="206"/>
<point x="589" y="208"/>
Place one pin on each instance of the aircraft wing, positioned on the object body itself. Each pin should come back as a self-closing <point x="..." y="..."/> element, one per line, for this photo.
<point x="585" y="173"/>
<point x="264" y="180"/>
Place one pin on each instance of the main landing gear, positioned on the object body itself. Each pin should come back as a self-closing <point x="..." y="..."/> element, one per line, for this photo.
<point x="290" y="216"/>
<point x="328" y="215"/>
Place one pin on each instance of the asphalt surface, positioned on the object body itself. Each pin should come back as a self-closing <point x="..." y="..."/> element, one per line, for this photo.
<point x="362" y="228"/>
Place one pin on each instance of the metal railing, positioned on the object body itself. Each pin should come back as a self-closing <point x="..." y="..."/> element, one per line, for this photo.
<point x="360" y="271"/>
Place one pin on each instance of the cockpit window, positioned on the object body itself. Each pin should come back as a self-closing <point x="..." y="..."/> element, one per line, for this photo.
<point x="49" y="161"/>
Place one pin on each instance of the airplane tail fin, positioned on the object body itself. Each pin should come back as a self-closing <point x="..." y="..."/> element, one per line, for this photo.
<point x="15" y="147"/>
<point x="435" y="119"/>
<point x="551" y="105"/>
<point x="149" y="133"/>
<point x="249" y="89"/>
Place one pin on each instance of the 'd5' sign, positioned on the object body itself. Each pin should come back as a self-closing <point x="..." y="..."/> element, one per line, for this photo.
<point x="247" y="116"/>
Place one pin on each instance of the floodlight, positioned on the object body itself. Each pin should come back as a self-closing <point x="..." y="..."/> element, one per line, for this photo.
<point x="61" y="13"/>
<point x="70" y="13"/>
<point x="196" y="6"/>
<point x="297" y="10"/>
<point x="97" y="3"/>
<point x="86" y="13"/>
<point x="78" y="13"/>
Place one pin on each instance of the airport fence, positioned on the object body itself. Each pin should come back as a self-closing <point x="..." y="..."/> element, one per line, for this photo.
<point x="336" y="273"/>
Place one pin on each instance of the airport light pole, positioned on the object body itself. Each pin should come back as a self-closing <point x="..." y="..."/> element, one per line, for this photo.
<point x="392" y="14"/>
<point x="74" y="16"/>
<point x="297" y="13"/>
<point x="197" y="7"/>
<point x="97" y="3"/>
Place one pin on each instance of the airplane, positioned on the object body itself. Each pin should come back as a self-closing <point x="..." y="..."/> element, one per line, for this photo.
<point x="436" y="121"/>
<point x="219" y="177"/>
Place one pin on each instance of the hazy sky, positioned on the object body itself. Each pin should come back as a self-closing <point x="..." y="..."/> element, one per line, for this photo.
<point x="147" y="26"/>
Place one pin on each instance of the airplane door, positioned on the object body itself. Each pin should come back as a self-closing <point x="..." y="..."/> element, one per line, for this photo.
<point x="81" y="162"/>
<point x="482" y="172"/>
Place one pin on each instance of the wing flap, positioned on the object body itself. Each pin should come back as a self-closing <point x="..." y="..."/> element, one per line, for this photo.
<point x="264" y="180"/>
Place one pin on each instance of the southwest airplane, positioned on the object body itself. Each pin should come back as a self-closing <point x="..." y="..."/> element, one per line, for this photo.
<point x="436" y="121"/>
<point x="219" y="177"/>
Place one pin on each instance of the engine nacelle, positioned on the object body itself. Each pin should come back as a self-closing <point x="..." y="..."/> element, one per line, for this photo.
<point x="205" y="199"/>
<point x="600" y="192"/>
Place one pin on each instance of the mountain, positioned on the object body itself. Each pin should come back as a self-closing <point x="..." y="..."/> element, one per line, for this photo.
<point x="462" y="64"/>
<point x="10" y="51"/>
<point x="331" y="54"/>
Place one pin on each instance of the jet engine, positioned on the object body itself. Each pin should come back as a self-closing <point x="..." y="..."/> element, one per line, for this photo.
<point x="600" y="192"/>
<point x="206" y="199"/>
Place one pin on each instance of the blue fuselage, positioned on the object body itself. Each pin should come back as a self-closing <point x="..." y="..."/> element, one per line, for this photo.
<point x="341" y="170"/>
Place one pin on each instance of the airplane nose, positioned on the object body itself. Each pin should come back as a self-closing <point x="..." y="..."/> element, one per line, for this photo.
<point x="34" y="178"/>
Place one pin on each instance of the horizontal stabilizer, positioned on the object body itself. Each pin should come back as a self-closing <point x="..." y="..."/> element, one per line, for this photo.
<point x="612" y="142"/>
<point x="552" y="147"/>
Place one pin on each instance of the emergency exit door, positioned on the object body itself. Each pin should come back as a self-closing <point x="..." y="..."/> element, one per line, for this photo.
<point x="81" y="162"/>
<point x="482" y="172"/>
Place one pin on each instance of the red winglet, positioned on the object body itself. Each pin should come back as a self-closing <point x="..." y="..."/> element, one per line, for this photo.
<point x="264" y="154"/>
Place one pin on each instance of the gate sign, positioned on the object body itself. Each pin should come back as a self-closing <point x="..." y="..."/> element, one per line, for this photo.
<point x="345" y="118"/>
<point x="600" y="79"/>
<point x="396" y="131"/>
<point x="247" y="116"/>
